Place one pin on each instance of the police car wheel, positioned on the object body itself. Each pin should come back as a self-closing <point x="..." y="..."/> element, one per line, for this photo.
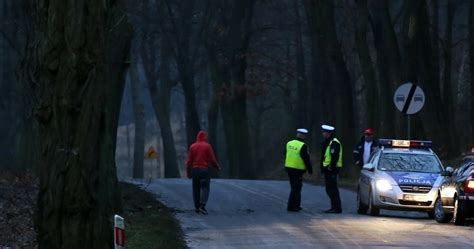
<point x="374" y="211"/>
<point x="361" y="207"/>
<point x="459" y="217"/>
<point x="439" y="214"/>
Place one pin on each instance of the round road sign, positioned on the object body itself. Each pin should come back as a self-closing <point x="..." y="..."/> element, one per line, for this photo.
<point x="409" y="98"/>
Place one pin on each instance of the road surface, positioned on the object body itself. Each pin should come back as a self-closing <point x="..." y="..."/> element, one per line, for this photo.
<point x="252" y="214"/>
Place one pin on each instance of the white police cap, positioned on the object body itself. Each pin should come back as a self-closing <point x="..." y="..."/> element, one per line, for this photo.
<point x="327" y="128"/>
<point x="302" y="131"/>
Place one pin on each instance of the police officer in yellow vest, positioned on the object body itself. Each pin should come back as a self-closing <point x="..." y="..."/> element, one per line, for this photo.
<point x="297" y="162"/>
<point x="331" y="162"/>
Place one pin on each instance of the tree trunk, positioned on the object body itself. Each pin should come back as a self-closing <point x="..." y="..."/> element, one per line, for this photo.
<point x="80" y="74"/>
<point x="187" y="81"/>
<point x="435" y="40"/>
<point x="129" y="150"/>
<point x="420" y="68"/>
<point x="388" y="61"/>
<point x="139" y="116"/>
<point x="18" y="133"/>
<point x="317" y="99"/>
<point x="339" y="85"/>
<point x="368" y="71"/>
<point x="215" y="73"/>
<point x="213" y="113"/>
<point x="411" y="69"/>
<point x="160" y="97"/>
<point x="448" y="102"/>
<point x="302" y="85"/>
<point x="27" y="147"/>
<point x="471" y="64"/>
<point x="182" y="29"/>
<point x="230" y="63"/>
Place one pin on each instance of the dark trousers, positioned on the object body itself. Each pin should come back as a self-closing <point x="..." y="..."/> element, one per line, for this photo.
<point x="296" y="184"/>
<point x="201" y="185"/>
<point x="332" y="190"/>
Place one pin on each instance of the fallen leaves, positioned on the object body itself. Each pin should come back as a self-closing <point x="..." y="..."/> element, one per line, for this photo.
<point x="18" y="194"/>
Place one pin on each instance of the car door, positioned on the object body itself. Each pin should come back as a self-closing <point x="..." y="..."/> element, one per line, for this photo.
<point x="366" y="177"/>
<point x="448" y="188"/>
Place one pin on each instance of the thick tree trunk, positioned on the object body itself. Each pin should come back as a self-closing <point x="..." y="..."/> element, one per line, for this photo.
<point x="213" y="112"/>
<point x="192" y="118"/>
<point x="419" y="66"/>
<point x="302" y="85"/>
<point x="160" y="97"/>
<point x="368" y="71"/>
<point x="411" y="63"/>
<point x="7" y="103"/>
<point x="388" y="62"/>
<point x="315" y="89"/>
<point x="18" y="131"/>
<point x="182" y="29"/>
<point x="139" y="116"/>
<point x="448" y="101"/>
<point x="80" y="74"/>
<point x="230" y="63"/>
<point x="27" y="138"/>
<point x="435" y="40"/>
<point x="340" y="101"/>
<point x="215" y="73"/>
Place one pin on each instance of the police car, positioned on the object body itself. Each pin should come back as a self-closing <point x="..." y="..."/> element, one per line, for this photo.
<point x="401" y="175"/>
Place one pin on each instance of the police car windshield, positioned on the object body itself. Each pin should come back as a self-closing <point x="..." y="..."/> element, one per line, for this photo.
<point x="409" y="163"/>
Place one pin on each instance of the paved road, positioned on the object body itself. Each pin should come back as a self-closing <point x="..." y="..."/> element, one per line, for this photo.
<point x="252" y="214"/>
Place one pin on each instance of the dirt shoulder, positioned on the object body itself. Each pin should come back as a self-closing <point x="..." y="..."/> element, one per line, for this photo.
<point x="148" y="223"/>
<point x="18" y="193"/>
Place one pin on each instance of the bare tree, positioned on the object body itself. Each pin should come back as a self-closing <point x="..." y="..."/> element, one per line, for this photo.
<point x="139" y="116"/>
<point x="337" y="98"/>
<point x="227" y="45"/>
<point x="156" y="57"/>
<point x="183" y="40"/>
<point x="366" y="64"/>
<point x="388" y="62"/>
<point x="302" y="84"/>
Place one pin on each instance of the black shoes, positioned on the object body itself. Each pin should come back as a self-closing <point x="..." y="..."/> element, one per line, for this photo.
<point x="294" y="209"/>
<point x="333" y="211"/>
<point x="201" y="210"/>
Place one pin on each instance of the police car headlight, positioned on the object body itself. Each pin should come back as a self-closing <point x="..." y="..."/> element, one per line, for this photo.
<point x="383" y="185"/>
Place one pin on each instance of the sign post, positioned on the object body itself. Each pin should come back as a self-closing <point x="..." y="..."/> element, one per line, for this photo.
<point x="119" y="232"/>
<point x="152" y="155"/>
<point x="409" y="99"/>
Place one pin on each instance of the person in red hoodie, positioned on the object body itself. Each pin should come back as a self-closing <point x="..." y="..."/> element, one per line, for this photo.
<point x="200" y="157"/>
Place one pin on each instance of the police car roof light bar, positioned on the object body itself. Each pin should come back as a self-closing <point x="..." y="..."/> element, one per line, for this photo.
<point x="405" y="143"/>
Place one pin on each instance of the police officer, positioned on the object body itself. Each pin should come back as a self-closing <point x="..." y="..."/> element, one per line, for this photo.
<point x="297" y="162"/>
<point x="365" y="147"/>
<point x="331" y="162"/>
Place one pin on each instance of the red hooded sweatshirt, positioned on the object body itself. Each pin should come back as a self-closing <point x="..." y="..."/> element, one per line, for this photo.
<point x="200" y="153"/>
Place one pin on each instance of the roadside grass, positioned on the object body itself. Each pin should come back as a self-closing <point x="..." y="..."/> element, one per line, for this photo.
<point x="148" y="223"/>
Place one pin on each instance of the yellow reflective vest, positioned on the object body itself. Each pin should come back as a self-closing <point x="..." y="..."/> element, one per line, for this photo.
<point x="293" y="157"/>
<point x="328" y="156"/>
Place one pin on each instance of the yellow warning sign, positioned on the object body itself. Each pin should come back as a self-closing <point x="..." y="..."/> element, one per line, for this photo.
<point x="151" y="153"/>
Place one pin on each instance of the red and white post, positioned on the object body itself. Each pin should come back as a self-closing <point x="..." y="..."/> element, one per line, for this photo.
<point x="119" y="232"/>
